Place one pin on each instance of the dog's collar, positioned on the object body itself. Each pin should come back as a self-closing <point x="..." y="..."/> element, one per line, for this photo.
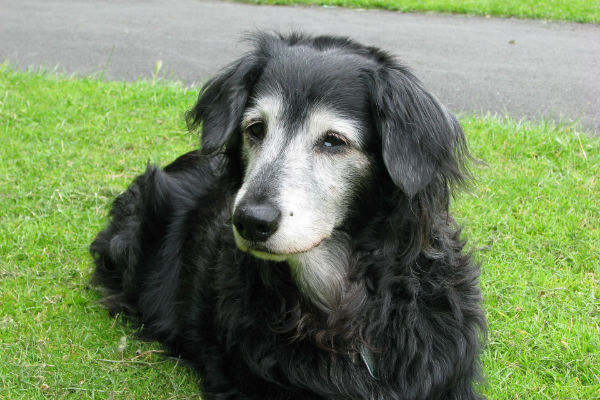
<point x="369" y="360"/>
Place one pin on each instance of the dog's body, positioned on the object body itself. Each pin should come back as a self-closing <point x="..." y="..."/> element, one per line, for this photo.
<point x="307" y="251"/>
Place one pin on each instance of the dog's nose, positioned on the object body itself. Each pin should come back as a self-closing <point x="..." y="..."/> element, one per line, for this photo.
<point x="256" y="222"/>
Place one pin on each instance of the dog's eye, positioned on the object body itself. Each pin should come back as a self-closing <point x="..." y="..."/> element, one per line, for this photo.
<point x="333" y="141"/>
<point x="256" y="130"/>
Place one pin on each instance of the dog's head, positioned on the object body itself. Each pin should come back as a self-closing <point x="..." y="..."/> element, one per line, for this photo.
<point x="310" y="118"/>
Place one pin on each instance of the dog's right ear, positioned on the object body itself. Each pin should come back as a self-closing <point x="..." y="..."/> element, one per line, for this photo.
<point x="221" y="103"/>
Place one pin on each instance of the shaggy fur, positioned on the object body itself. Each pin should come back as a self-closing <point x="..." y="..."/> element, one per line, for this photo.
<point x="404" y="320"/>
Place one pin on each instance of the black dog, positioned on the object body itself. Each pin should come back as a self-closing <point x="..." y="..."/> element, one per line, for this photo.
<point x="306" y="251"/>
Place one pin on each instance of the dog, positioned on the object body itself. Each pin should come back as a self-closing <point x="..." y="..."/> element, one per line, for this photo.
<point x="306" y="251"/>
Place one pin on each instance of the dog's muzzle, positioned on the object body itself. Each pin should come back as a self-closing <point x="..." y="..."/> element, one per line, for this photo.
<point x="256" y="222"/>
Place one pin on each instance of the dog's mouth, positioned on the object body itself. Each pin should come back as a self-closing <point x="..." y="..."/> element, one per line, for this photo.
<point x="262" y="251"/>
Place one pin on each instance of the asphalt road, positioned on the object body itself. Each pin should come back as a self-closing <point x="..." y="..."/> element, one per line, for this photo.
<point x="521" y="68"/>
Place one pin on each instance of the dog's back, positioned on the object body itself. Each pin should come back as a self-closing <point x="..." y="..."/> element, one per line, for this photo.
<point x="162" y="211"/>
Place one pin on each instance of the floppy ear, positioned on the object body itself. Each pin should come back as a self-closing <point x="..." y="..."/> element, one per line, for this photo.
<point x="221" y="103"/>
<point x="420" y="139"/>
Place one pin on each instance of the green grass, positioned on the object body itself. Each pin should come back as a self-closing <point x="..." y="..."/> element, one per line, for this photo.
<point x="68" y="146"/>
<point x="567" y="10"/>
<point x="536" y="214"/>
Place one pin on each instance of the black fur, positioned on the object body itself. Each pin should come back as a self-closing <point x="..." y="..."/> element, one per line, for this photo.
<point x="169" y="259"/>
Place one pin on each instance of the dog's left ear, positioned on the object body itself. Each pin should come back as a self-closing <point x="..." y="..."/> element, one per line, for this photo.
<point x="420" y="139"/>
<point x="221" y="103"/>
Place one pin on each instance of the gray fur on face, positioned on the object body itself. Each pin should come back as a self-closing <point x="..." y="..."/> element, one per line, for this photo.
<point x="311" y="186"/>
<point x="322" y="274"/>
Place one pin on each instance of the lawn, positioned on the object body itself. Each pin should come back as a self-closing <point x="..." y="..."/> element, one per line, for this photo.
<point x="567" y="10"/>
<point x="69" y="145"/>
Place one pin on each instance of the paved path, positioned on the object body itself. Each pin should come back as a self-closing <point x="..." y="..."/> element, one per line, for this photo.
<point x="517" y="67"/>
